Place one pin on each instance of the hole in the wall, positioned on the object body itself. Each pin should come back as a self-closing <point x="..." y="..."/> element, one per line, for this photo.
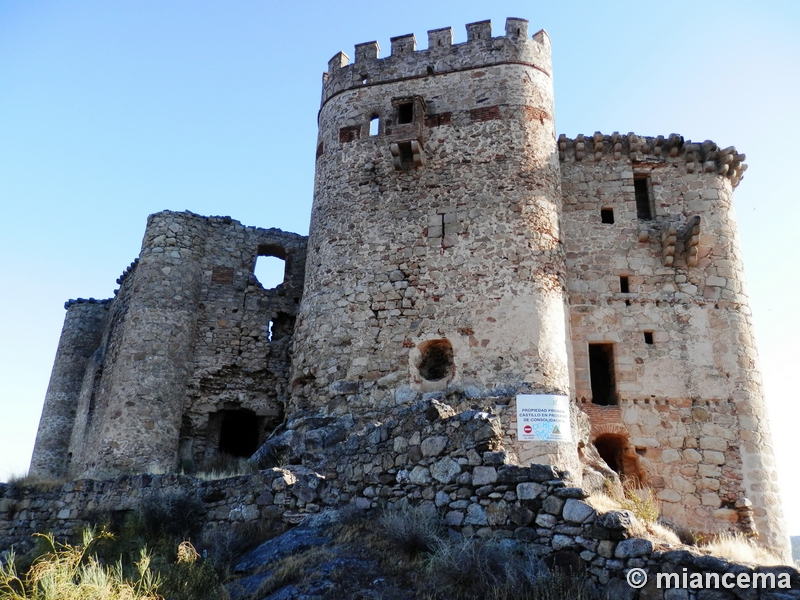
<point x="374" y="125"/>
<point x="643" y="207"/>
<point x="270" y="271"/>
<point x="238" y="435"/>
<point x="282" y="326"/>
<point x="623" y="284"/>
<point x="430" y="70"/>
<point x="607" y="216"/>
<point x="405" y="113"/>
<point x="437" y="360"/>
<point x="618" y="453"/>
<point x="601" y="373"/>
<point x="648" y="337"/>
<point x="610" y="448"/>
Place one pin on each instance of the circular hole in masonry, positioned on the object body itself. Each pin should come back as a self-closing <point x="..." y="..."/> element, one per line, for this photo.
<point x="436" y="359"/>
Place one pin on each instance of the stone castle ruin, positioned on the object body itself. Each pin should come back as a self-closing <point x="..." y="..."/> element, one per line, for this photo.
<point x="460" y="254"/>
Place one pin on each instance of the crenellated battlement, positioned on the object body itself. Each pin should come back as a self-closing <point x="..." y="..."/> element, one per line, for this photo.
<point x="706" y="157"/>
<point x="440" y="57"/>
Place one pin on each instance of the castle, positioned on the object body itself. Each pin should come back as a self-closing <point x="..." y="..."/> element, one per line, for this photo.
<point x="459" y="251"/>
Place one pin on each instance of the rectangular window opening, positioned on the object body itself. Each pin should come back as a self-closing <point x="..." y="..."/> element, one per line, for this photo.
<point x="601" y="373"/>
<point x="643" y="208"/>
<point x="405" y="113"/>
<point x="374" y="125"/>
<point x="607" y="215"/>
<point x="623" y="284"/>
<point x="648" y="337"/>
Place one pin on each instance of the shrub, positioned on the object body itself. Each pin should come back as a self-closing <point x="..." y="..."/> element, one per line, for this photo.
<point x="496" y="570"/>
<point x="412" y="530"/>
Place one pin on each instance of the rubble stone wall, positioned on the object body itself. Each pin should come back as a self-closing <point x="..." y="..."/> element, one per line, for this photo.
<point x="689" y="395"/>
<point x="190" y="334"/>
<point x="456" y="244"/>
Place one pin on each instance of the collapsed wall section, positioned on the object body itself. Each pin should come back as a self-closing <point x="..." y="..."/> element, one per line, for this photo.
<point x="662" y="338"/>
<point x="190" y="359"/>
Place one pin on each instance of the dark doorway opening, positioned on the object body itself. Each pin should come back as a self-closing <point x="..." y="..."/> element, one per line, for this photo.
<point x="405" y="113"/>
<point x="607" y="216"/>
<point x="238" y="435"/>
<point x="643" y="209"/>
<point x="601" y="373"/>
<point x="610" y="448"/>
<point x="437" y="360"/>
<point x="618" y="453"/>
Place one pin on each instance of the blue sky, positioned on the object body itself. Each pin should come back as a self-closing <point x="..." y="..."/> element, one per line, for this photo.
<point x="110" y="111"/>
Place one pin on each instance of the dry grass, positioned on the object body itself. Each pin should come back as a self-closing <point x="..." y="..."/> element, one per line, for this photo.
<point x="40" y="484"/>
<point x="68" y="572"/>
<point x="225" y="466"/>
<point x="738" y="548"/>
<point x="644" y="505"/>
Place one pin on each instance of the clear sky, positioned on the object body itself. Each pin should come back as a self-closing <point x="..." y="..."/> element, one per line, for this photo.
<point x="110" y="111"/>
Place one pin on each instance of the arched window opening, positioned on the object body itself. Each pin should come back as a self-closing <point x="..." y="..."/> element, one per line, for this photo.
<point x="238" y="435"/>
<point x="374" y="125"/>
<point x="270" y="267"/>
<point x="437" y="360"/>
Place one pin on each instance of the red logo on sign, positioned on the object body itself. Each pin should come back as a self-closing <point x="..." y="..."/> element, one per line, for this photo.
<point x="527" y="429"/>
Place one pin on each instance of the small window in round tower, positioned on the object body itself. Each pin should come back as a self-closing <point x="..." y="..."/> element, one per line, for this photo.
<point x="436" y="360"/>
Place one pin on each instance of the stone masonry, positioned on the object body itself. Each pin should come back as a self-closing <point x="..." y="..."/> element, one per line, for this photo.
<point x="459" y="252"/>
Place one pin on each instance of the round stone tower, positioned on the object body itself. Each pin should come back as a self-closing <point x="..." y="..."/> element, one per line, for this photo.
<point x="434" y="259"/>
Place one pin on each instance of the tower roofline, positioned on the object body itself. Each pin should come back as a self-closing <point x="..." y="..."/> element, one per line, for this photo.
<point x="441" y="56"/>
<point x="705" y="157"/>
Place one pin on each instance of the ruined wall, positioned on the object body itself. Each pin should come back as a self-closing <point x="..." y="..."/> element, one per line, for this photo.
<point x="190" y="337"/>
<point x="687" y="389"/>
<point x="451" y="276"/>
<point x="428" y="456"/>
<point x="80" y="337"/>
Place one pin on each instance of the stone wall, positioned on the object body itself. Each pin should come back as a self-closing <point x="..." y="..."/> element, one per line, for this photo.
<point x="429" y="457"/>
<point x="190" y="337"/>
<point x="688" y="397"/>
<point x="452" y="276"/>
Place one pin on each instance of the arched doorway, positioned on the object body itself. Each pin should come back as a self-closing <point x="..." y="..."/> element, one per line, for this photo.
<point x="620" y="455"/>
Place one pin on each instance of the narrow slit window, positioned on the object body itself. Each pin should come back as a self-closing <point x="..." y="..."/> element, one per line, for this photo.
<point x="643" y="208"/>
<point x="607" y="216"/>
<point x="623" y="284"/>
<point x="405" y="113"/>
<point x="374" y="125"/>
<point x="648" y="338"/>
<point x="601" y="373"/>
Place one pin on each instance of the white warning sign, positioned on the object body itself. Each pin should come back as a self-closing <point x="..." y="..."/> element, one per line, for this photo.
<point x="543" y="418"/>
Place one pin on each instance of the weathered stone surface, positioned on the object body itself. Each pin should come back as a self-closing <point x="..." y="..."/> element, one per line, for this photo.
<point x="444" y="470"/>
<point x="476" y="515"/>
<point x="484" y="475"/>
<point x="576" y="511"/>
<point x="433" y="446"/>
<point x="633" y="547"/>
